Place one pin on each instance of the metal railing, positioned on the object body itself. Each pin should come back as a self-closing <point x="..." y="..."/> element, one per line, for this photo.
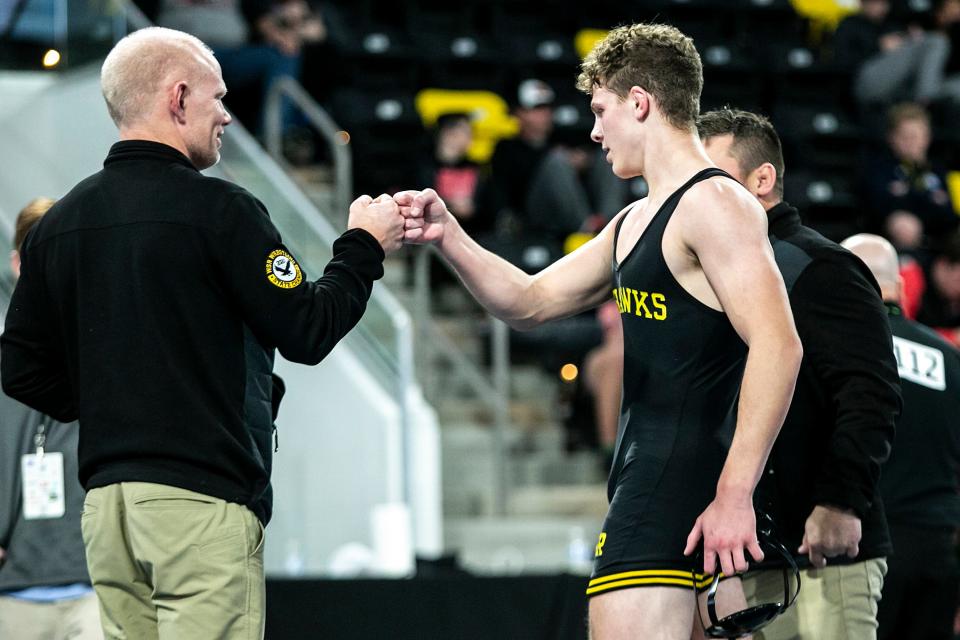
<point x="320" y="120"/>
<point x="492" y="390"/>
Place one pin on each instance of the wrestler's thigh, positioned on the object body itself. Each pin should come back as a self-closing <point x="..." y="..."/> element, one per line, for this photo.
<point x="658" y="613"/>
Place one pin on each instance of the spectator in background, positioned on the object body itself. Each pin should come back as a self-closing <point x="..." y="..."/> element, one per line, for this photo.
<point x="906" y="194"/>
<point x="45" y="591"/>
<point x="552" y="191"/>
<point x="939" y="291"/>
<point x="919" y="482"/>
<point x="453" y="175"/>
<point x="892" y="63"/>
<point x="255" y="41"/>
<point x="945" y="16"/>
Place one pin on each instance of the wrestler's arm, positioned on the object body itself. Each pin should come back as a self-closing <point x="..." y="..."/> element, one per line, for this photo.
<point x="726" y="230"/>
<point x="576" y="282"/>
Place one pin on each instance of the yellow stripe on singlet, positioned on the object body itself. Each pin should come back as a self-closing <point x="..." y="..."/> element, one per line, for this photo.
<point x="670" y="577"/>
<point x="639" y="581"/>
<point x="648" y="572"/>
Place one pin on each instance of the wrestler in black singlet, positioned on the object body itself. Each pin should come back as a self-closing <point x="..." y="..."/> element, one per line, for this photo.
<point x="683" y="364"/>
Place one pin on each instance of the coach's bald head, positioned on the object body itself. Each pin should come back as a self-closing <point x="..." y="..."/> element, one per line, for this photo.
<point x="165" y="85"/>
<point x="881" y="258"/>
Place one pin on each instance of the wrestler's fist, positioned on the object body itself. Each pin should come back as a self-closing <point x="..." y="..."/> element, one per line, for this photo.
<point x="380" y="218"/>
<point x="427" y="217"/>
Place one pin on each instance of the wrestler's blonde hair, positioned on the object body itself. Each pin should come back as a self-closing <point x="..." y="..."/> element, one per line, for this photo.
<point x="656" y="57"/>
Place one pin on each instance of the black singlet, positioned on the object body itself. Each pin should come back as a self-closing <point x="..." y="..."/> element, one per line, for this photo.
<point x="683" y="364"/>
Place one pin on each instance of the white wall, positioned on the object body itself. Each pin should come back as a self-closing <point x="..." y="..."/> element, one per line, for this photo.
<point x="52" y="140"/>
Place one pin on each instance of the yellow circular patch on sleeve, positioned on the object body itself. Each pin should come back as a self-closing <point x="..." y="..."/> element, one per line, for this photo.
<point x="282" y="270"/>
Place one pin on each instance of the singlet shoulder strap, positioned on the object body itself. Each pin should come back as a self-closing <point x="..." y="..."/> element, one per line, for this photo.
<point x="699" y="176"/>
<point x="703" y="174"/>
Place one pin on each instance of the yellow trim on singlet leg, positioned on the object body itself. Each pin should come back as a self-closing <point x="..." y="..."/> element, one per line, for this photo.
<point x="663" y="581"/>
<point x="666" y="577"/>
<point x="649" y="572"/>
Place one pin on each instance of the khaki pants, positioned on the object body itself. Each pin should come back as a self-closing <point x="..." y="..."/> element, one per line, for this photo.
<point x="168" y="564"/>
<point x="73" y="619"/>
<point x="835" y="603"/>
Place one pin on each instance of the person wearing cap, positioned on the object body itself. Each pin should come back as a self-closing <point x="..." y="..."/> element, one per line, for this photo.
<point x="919" y="483"/>
<point x="821" y="481"/>
<point x="551" y="190"/>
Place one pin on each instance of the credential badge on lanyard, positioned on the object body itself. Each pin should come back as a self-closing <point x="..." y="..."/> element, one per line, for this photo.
<point x="42" y="481"/>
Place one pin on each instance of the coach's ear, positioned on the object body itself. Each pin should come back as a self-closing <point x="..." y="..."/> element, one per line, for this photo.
<point x="640" y="101"/>
<point x="762" y="181"/>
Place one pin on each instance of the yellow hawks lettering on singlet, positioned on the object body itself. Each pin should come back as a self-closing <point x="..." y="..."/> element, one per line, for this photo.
<point x="644" y="304"/>
<point x="600" y="542"/>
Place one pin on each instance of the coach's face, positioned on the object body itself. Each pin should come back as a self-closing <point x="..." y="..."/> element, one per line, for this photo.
<point x="718" y="149"/>
<point x="206" y="115"/>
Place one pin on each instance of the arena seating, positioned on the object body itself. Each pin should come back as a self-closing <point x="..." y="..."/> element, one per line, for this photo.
<point x="757" y="55"/>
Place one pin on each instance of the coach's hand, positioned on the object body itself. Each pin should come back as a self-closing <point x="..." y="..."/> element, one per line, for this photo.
<point x="728" y="526"/>
<point x="381" y="218"/>
<point x="426" y="216"/>
<point x="828" y="532"/>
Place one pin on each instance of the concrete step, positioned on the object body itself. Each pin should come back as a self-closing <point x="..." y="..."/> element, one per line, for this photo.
<point x="513" y="545"/>
<point x="542" y="478"/>
<point x="555" y="467"/>
<point x="571" y="501"/>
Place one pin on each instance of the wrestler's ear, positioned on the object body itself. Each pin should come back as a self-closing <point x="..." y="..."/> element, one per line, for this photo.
<point x="639" y="101"/>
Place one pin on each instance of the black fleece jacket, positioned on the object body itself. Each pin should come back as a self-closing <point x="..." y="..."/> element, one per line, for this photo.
<point x="841" y="422"/>
<point x="151" y="301"/>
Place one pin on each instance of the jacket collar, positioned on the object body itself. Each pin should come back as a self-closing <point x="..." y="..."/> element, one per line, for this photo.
<point x="782" y="219"/>
<point x="145" y="150"/>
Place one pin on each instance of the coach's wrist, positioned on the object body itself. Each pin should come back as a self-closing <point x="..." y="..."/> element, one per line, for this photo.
<point x="837" y="508"/>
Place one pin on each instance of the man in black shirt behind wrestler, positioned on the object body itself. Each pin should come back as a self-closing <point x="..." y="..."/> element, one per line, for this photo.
<point x="919" y="482"/>
<point x="821" y="482"/>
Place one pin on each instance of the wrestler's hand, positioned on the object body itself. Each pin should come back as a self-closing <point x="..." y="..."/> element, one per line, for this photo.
<point x="728" y="527"/>
<point x="828" y="532"/>
<point x="381" y="218"/>
<point x="427" y="216"/>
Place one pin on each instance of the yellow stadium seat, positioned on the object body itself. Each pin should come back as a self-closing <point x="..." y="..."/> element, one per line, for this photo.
<point x="953" y="186"/>
<point x="489" y="113"/>
<point x="825" y="14"/>
<point x="585" y="40"/>
<point x="576" y="240"/>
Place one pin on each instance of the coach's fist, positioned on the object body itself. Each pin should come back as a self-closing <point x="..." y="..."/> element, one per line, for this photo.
<point x="828" y="532"/>
<point x="380" y="218"/>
